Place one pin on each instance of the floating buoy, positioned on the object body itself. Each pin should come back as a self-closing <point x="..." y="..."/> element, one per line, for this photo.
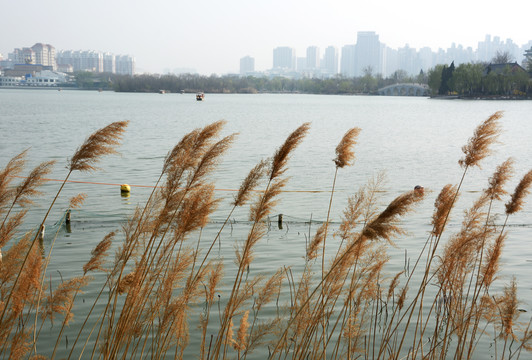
<point x="125" y="190"/>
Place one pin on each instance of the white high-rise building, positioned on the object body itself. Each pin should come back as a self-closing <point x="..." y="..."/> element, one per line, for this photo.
<point x="247" y="65"/>
<point x="330" y="61"/>
<point x="81" y="60"/>
<point x="284" y="58"/>
<point x="109" y="63"/>
<point x="125" y="65"/>
<point x="96" y="61"/>
<point x="347" y="67"/>
<point x="368" y="53"/>
<point x="313" y="58"/>
<point x="44" y="55"/>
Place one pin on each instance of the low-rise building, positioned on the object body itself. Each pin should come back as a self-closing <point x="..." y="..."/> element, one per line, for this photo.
<point x="44" y="78"/>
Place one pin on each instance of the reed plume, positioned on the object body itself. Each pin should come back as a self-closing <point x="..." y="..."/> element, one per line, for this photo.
<point x="393" y="285"/>
<point x="250" y="183"/>
<point x="77" y="201"/>
<point x="269" y="290"/>
<point x="12" y="169"/>
<point x="312" y="251"/>
<point x="491" y="266"/>
<point x="477" y="148"/>
<point x="215" y="276"/>
<point x="100" y="143"/>
<point x="241" y="337"/>
<point x="98" y="254"/>
<point x="29" y="281"/>
<point x="385" y="224"/>
<point x="8" y="230"/>
<point x="28" y="188"/>
<point x="20" y="345"/>
<point x="61" y="300"/>
<point x="499" y="178"/>
<point x="508" y="312"/>
<point x="443" y="205"/>
<point x="344" y="151"/>
<point x="282" y="155"/>
<point x="518" y="197"/>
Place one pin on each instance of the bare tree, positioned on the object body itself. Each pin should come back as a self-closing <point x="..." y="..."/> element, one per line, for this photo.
<point x="502" y="57"/>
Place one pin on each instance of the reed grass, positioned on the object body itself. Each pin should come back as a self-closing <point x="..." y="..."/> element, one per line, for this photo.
<point x="343" y="304"/>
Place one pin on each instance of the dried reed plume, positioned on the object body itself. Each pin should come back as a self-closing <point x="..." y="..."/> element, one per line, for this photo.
<point x="269" y="290"/>
<point x="98" y="254"/>
<point x="312" y="251"/>
<point x="29" y="281"/>
<point x="385" y="224"/>
<point x="518" y="197"/>
<point x="477" y="148"/>
<point x="491" y="267"/>
<point x="250" y="182"/>
<point x="9" y="228"/>
<point x="393" y="285"/>
<point x="215" y="276"/>
<point x="13" y="168"/>
<point x="241" y="337"/>
<point x="77" y="201"/>
<point x="60" y="302"/>
<point x="28" y="188"/>
<point x="263" y="207"/>
<point x="344" y="152"/>
<point x="508" y="311"/>
<point x="443" y="204"/>
<point x="499" y="178"/>
<point x="101" y="142"/>
<point x="211" y="158"/>
<point x="281" y="156"/>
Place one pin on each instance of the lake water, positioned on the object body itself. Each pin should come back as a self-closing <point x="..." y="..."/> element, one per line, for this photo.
<point x="413" y="140"/>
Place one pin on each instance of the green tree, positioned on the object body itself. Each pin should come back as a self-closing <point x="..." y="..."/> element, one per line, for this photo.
<point x="446" y="85"/>
<point x="434" y="78"/>
<point x="467" y="79"/>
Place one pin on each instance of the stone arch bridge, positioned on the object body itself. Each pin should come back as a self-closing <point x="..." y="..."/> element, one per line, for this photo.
<point x="405" y="90"/>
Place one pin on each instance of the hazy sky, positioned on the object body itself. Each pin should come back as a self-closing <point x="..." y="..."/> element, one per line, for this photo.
<point x="212" y="35"/>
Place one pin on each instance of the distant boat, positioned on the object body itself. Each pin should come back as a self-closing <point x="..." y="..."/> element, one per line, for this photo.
<point x="200" y="96"/>
<point x="162" y="91"/>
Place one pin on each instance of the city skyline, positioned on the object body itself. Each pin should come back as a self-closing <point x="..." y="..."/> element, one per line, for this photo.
<point x="212" y="38"/>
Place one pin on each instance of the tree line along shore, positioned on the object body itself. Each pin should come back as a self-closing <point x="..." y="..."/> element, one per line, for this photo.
<point x="471" y="80"/>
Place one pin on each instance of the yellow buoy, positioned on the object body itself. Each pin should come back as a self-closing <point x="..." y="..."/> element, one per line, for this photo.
<point x="124" y="188"/>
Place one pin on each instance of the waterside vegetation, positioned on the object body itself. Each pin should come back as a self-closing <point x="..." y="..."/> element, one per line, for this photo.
<point x="466" y="80"/>
<point x="163" y="276"/>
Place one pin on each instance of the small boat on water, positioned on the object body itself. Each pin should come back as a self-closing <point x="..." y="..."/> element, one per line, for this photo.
<point x="200" y="96"/>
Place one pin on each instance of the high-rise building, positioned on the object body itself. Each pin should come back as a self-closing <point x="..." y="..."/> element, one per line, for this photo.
<point x="38" y="54"/>
<point x="44" y="55"/>
<point x="96" y="61"/>
<point x="313" y="59"/>
<point x="23" y="56"/>
<point x="81" y="60"/>
<point x="284" y="58"/>
<point x="330" y="61"/>
<point x="368" y="53"/>
<point x="109" y="63"/>
<point x="347" y="67"/>
<point x="247" y="65"/>
<point x="125" y="65"/>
